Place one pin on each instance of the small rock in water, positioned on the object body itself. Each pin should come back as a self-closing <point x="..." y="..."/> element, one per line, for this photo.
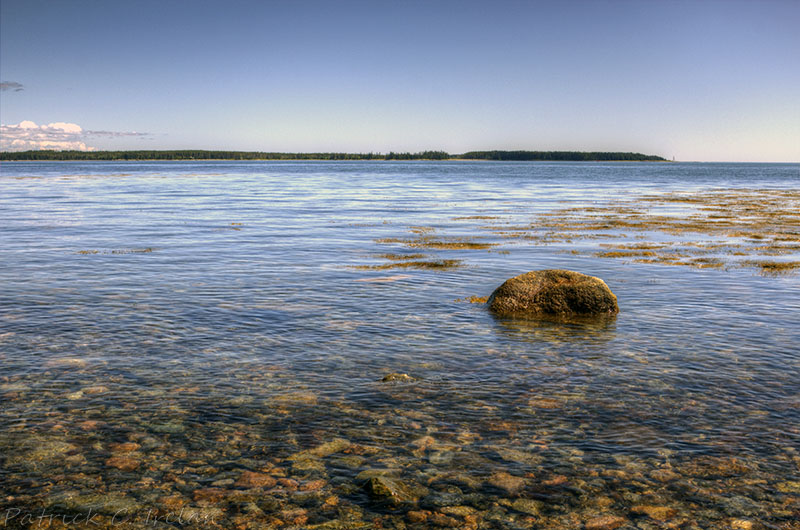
<point x="173" y="502"/>
<point x="528" y="506"/>
<point x="510" y="484"/>
<point x="659" y="513"/>
<point x="251" y="479"/>
<point x="441" y="499"/>
<point x="417" y="516"/>
<point x="557" y="480"/>
<point x="289" y="483"/>
<point x="295" y="516"/>
<point x="460" y="511"/>
<point x="169" y="428"/>
<point x="440" y="458"/>
<point x="743" y="524"/>
<point x="424" y="442"/>
<point x="605" y="522"/>
<point x="97" y="389"/>
<point x="336" y="445"/>
<point x="521" y="457"/>
<point x="313" y="485"/>
<point x="392" y="489"/>
<point x="396" y="377"/>
<point x="440" y="519"/>
<point x="66" y="361"/>
<point x="664" y="475"/>
<point x="296" y="399"/>
<point x="545" y="403"/>
<point x="127" y="447"/>
<point x="38" y="453"/>
<point x="88" y="425"/>
<point x="209" y="496"/>
<point x="104" y="503"/>
<point x="349" y="461"/>
<point x="308" y="463"/>
<point x="789" y="487"/>
<point x="123" y="462"/>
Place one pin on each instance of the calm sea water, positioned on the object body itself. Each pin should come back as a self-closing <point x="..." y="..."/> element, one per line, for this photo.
<point x="165" y="327"/>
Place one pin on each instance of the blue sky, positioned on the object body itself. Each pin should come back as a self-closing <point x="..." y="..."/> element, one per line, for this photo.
<point x="698" y="80"/>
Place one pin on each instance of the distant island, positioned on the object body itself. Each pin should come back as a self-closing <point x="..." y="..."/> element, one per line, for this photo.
<point x="191" y="154"/>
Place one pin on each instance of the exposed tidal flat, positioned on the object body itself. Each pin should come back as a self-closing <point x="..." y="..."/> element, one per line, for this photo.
<point x="291" y="345"/>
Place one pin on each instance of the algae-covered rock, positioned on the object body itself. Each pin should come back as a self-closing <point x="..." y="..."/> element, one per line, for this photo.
<point x="110" y="503"/>
<point x="40" y="453"/>
<point x="510" y="484"/>
<point x="528" y="506"/>
<point x="385" y="487"/>
<point x="396" y="377"/>
<point x="553" y="292"/>
<point x="605" y="522"/>
<point x="659" y="513"/>
<point x="252" y="479"/>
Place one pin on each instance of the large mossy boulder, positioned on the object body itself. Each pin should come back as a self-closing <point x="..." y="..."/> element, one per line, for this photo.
<point x="553" y="293"/>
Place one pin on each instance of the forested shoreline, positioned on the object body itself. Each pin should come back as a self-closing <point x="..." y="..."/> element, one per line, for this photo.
<point x="194" y="154"/>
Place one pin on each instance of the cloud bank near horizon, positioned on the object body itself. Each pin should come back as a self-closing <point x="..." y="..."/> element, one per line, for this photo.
<point x="60" y="136"/>
<point x="11" y="85"/>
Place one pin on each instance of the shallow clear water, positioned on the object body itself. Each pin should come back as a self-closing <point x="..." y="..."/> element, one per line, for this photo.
<point x="212" y="315"/>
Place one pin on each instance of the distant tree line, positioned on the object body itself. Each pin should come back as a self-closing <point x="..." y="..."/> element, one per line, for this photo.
<point x="214" y="155"/>
<point x="191" y="154"/>
<point x="572" y="156"/>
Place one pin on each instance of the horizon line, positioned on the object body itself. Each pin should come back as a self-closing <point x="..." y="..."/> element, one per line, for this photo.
<point x="352" y="156"/>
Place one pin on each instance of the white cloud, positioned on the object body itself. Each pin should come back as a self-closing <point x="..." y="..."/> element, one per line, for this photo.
<point x="59" y="136"/>
<point x="11" y="85"/>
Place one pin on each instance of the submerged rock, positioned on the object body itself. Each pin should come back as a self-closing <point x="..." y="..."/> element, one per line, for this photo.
<point x="123" y="462"/>
<point x="171" y="427"/>
<point x="328" y="448"/>
<point x="527" y="506"/>
<point x="252" y="479"/>
<point x="520" y="457"/>
<point x="659" y="513"/>
<point x="510" y="484"/>
<point x="110" y="503"/>
<point x="325" y="449"/>
<point x="396" y="377"/>
<point x="553" y="292"/>
<point x="391" y="489"/>
<point x="40" y="453"/>
<point x="605" y="522"/>
<point x="383" y="485"/>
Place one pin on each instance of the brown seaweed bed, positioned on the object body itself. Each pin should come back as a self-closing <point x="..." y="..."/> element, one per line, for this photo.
<point x="744" y="228"/>
<point x="716" y="228"/>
